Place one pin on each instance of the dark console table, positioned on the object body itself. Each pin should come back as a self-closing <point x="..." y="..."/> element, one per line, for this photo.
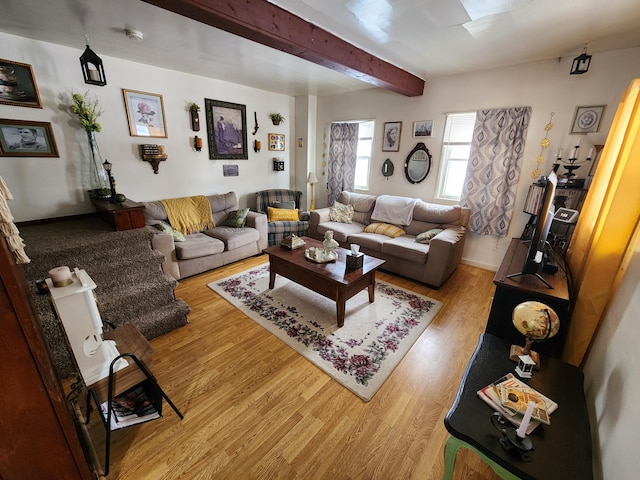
<point x="515" y="290"/>
<point x="561" y="450"/>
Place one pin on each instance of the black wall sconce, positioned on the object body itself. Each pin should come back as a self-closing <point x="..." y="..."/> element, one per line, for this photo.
<point x="256" y="146"/>
<point x="278" y="165"/>
<point x="197" y="143"/>
<point x="581" y="63"/>
<point x="92" y="69"/>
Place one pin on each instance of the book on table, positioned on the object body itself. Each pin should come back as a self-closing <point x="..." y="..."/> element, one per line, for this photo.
<point x="512" y="409"/>
<point x="131" y="408"/>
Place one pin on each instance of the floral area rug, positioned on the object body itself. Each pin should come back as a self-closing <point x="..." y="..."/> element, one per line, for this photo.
<point x="362" y="354"/>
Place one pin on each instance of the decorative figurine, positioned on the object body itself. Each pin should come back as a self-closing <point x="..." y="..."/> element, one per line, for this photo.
<point x="329" y="245"/>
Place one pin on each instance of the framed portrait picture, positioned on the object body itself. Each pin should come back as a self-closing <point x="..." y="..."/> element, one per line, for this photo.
<point x="226" y="130"/>
<point x="422" y="129"/>
<point x="26" y="138"/>
<point x="391" y="136"/>
<point x="18" y="85"/>
<point x="276" y="142"/>
<point x="145" y="114"/>
<point x="587" y="119"/>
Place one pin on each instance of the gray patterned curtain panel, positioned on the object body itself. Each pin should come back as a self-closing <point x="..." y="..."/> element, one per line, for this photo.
<point x="494" y="167"/>
<point x="343" y="151"/>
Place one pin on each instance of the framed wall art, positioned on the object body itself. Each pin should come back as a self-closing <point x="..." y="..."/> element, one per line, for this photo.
<point x="230" y="170"/>
<point x="276" y="142"/>
<point x="391" y="136"/>
<point x="587" y="119"/>
<point x="22" y="138"/>
<point x="226" y="130"/>
<point x="145" y="114"/>
<point x="18" y="85"/>
<point x="422" y="129"/>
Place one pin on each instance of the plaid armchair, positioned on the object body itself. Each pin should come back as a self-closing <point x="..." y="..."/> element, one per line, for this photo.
<point x="281" y="198"/>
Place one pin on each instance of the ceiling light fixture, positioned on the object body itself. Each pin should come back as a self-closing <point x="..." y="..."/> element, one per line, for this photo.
<point x="581" y="63"/>
<point x="134" y="34"/>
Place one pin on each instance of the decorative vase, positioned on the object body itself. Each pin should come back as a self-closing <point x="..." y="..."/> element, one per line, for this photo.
<point x="98" y="180"/>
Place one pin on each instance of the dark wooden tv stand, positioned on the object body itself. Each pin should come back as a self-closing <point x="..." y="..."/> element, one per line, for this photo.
<point x="513" y="290"/>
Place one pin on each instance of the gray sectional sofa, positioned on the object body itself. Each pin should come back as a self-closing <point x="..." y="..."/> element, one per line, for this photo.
<point x="211" y="247"/>
<point x="431" y="263"/>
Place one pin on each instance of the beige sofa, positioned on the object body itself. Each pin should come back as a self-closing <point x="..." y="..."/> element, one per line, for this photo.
<point x="431" y="263"/>
<point x="212" y="247"/>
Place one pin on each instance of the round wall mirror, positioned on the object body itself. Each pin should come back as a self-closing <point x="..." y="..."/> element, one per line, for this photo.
<point x="418" y="163"/>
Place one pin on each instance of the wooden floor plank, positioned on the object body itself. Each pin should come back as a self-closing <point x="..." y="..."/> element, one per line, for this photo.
<point x="254" y="408"/>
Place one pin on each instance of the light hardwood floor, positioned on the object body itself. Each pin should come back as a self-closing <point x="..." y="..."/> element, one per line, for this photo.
<point x="255" y="409"/>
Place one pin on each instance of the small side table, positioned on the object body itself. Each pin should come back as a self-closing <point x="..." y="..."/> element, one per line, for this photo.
<point x="122" y="216"/>
<point x="561" y="450"/>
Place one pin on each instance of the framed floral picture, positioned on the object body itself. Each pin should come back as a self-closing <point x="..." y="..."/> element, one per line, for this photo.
<point x="26" y="138"/>
<point x="145" y="114"/>
<point x="276" y="142"/>
<point x="391" y="136"/>
<point x="18" y="85"/>
<point x="226" y="130"/>
<point x="587" y="119"/>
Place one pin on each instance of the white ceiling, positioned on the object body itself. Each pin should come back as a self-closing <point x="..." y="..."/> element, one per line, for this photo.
<point x="425" y="37"/>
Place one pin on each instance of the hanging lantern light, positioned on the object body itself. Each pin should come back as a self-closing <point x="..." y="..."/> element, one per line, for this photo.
<point x="581" y="63"/>
<point x="92" y="69"/>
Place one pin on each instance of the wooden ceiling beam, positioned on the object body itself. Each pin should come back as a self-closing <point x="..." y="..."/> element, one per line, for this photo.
<point x="270" y="25"/>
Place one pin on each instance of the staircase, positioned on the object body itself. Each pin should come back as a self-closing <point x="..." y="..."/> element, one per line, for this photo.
<point x="131" y="286"/>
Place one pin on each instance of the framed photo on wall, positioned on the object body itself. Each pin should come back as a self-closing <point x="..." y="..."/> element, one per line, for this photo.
<point x="276" y="142"/>
<point x="422" y="129"/>
<point x="26" y="138"/>
<point x="145" y="114"/>
<point x="18" y="85"/>
<point x="226" y="130"/>
<point x="587" y="119"/>
<point x="391" y="136"/>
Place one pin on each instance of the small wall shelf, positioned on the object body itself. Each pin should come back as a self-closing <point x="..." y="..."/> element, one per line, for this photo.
<point x="154" y="154"/>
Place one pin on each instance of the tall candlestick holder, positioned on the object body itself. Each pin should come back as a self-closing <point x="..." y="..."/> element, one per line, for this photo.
<point x="572" y="163"/>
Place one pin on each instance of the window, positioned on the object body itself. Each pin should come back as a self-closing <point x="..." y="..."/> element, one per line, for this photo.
<point x="363" y="160"/>
<point x="456" y="146"/>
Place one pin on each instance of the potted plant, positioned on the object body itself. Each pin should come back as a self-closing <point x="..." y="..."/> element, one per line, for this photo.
<point x="276" y="118"/>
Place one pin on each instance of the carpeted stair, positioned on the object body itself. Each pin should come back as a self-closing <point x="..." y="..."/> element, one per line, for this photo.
<point x="131" y="286"/>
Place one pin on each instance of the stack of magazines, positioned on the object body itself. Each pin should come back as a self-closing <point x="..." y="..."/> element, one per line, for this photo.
<point x="131" y="408"/>
<point x="510" y="397"/>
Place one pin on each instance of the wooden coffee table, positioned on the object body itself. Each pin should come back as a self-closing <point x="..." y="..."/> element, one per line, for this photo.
<point x="330" y="280"/>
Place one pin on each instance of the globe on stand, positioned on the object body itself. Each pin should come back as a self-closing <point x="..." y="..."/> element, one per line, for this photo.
<point x="537" y="322"/>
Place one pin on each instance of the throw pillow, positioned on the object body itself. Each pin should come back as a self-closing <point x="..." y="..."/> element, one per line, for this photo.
<point x="425" y="237"/>
<point x="384" y="229"/>
<point x="236" y="218"/>
<point x="341" y="213"/>
<point x="282" y="214"/>
<point x="166" y="228"/>
<point x="288" y="205"/>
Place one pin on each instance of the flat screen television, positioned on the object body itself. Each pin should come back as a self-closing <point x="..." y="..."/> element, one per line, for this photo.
<point x="544" y="217"/>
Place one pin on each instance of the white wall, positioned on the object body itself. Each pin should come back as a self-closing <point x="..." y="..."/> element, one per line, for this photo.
<point x="53" y="187"/>
<point x="547" y="87"/>
<point x="612" y="384"/>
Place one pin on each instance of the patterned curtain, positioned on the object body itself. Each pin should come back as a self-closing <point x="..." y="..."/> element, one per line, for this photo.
<point x="343" y="149"/>
<point x="493" y="170"/>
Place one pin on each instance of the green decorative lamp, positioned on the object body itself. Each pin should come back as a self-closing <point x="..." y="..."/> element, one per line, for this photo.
<point x="537" y="322"/>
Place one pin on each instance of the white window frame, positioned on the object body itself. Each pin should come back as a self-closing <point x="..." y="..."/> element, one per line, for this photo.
<point x="364" y="159"/>
<point x="446" y="162"/>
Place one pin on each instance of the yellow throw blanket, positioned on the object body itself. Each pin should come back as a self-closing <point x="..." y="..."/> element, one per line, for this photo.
<point x="189" y="214"/>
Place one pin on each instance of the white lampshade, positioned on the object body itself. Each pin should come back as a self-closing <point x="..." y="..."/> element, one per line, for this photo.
<point x="312" y="178"/>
